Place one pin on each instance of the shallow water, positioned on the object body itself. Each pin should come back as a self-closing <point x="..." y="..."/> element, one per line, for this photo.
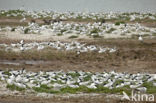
<point x="82" y="5"/>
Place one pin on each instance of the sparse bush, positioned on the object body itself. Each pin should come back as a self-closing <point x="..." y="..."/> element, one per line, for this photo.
<point x="120" y="22"/>
<point x="13" y="29"/>
<point x="102" y="20"/>
<point x="96" y="36"/>
<point x="95" y="30"/>
<point x="26" y="30"/>
<point x="59" y="34"/>
<point x="73" y="36"/>
<point x="63" y="30"/>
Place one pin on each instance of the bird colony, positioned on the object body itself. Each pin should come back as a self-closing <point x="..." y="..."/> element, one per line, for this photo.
<point x="71" y="46"/>
<point x="75" y="79"/>
<point x="96" y="29"/>
<point x="79" y="15"/>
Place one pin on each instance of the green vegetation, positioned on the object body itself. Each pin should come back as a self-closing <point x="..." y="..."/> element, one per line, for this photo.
<point x="102" y="20"/>
<point x="63" y="30"/>
<point x="13" y="87"/>
<point x="7" y="73"/>
<point x="150" y="87"/>
<point x="118" y="82"/>
<point x="44" y="89"/>
<point x="119" y="22"/>
<point x="11" y="13"/>
<point x="95" y="30"/>
<point x="97" y="36"/>
<point x="13" y="29"/>
<point x="84" y="89"/>
<point x="73" y="75"/>
<point x="88" y="77"/>
<point x="59" y="82"/>
<point x="154" y="34"/>
<point x="26" y="30"/>
<point x="73" y="36"/>
<point x="110" y="31"/>
<point x="59" y="34"/>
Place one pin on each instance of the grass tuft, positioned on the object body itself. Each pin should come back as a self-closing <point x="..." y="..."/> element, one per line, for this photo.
<point x="26" y="30"/>
<point x="150" y="87"/>
<point x="7" y="73"/>
<point x="44" y="89"/>
<point x="59" y="34"/>
<point x="14" y="87"/>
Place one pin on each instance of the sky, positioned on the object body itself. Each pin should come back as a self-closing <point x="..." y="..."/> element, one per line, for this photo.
<point x="82" y="5"/>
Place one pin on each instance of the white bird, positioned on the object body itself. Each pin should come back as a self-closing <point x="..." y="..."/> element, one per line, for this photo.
<point x="56" y="85"/>
<point x="22" y="20"/>
<point x="121" y="85"/>
<point x="45" y="82"/>
<point x="142" y="89"/>
<point x="134" y="86"/>
<point x="12" y="77"/>
<point x="25" y="80"/>
<point x="40" y="47"/>
<point x="22" y="42"/>
<point x="20" y="85"/>
<point x="10" y="81"/>
<point x="73" y="86"/>
<point x="154" y="84"/>
<point x="140" y="38"/>
<point x="108" y="84"/>
<point x="92" y="86"/>
<point x="22" y="48"/>
<point x="84" y="83"/>
<point x="13" y="45"/>
<point x="154" y="76"/>
<point x="18" y="78"/>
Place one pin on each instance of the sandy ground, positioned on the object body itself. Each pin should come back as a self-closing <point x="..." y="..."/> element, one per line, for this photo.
<point x="48" y="36"/>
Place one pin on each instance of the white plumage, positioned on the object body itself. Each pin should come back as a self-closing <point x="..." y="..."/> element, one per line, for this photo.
<point x="140" y="38"/>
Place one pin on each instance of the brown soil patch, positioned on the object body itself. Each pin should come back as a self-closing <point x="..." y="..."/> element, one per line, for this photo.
<point x="131" y="56"/>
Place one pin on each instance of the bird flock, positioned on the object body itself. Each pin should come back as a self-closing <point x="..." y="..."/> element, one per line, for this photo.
<point x="75" y="79"/>
<point x="69" y="46"/>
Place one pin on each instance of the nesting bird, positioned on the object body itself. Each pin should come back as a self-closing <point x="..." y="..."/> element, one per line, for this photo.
<point x="74" y="79"/>
<point x="73" y="46"/>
